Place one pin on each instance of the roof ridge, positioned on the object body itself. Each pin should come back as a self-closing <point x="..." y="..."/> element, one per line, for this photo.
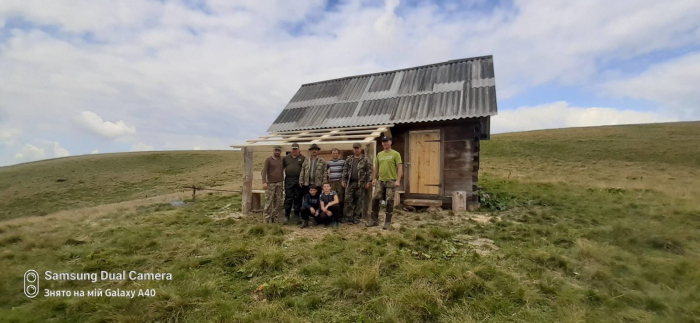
<point x="400" y="70"/>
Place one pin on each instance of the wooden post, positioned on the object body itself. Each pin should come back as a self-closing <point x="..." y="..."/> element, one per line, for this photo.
<point x="247" y="189"/>
<point x="371" y="152"/>
<point x="459" y="201"/>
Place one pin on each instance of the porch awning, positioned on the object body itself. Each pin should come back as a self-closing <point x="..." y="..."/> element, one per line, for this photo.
<point x="341" y="138"/>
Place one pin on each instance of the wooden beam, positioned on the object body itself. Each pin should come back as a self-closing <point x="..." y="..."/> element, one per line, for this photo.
<point x="328" y="129"/>
<point x="422" y="202"/>
<point x="338" y="131"/>
<point x="286" y="146"/>
<point x="371" y="152"/>
<point x="317" y="139"/>
<point x="247" y="189"/>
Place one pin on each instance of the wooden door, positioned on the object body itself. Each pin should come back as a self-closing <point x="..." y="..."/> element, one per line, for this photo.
<point x="424" y="167"/>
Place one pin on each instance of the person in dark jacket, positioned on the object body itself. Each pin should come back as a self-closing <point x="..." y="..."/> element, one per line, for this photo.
<point x="292" y="191"/>
<point x="311" y="206"/>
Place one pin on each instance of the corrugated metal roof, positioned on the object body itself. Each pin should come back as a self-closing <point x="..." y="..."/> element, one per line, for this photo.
<point x="455" y="89"/>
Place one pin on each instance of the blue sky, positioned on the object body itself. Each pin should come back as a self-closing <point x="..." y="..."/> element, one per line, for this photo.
<point x="203" y="74"/>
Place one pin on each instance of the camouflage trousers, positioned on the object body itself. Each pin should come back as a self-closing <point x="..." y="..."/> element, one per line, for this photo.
<point x="354" y="199"/>
<point x="385" y="190"/>
<point x="337" y="186"/>
<point x="273" y="201"/>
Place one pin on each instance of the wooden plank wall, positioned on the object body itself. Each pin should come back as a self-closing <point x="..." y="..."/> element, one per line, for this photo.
<point x="460" y="156"/>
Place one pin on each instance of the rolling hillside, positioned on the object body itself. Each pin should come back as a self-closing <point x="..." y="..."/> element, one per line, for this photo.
<point x="585" y="224"/>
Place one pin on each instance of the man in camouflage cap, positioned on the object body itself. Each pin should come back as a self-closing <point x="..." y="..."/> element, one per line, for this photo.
<point x="272" y="179"/>
<point x="292" y="191"/>
<point x="356" y="180"/>
<point x="386" y="177"/>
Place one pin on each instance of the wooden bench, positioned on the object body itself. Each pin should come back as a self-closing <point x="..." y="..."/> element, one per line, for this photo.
<point x="257" y="200"/>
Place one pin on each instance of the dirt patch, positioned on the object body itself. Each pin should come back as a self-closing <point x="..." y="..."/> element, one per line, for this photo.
<point x="481" y="246"/>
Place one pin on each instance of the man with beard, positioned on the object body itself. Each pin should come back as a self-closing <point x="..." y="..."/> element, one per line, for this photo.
<point x="313" y="170"/>
<point x="272" y="177"/>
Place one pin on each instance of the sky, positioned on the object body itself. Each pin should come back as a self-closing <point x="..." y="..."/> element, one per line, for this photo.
<point x="82" y="76"/>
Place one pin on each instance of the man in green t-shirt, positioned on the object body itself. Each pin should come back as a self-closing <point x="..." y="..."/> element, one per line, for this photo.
<point x="389" y="168"/>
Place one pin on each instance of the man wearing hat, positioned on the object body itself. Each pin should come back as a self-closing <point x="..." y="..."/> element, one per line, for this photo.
<point x="292" y="191"/>
<point x="314" y="171"/>
<point x="356" y="180"/>
<point x="388" y="169"/>
<point x="272" y="177"/>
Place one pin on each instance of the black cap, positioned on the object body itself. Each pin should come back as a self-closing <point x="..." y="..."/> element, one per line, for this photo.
<point x="356" y="145"/>
<point x="385" y="138"/>
<point x="314" y="147"/>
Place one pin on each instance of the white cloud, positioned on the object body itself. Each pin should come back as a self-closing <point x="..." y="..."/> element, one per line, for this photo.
<point x="141" y="147"/>
<point x="59" y="151"/>
<point x="209" y="78"/>
<point x="93" y="122"/>
<point x="561" y="115"/>
<point x="672" y="84"/>
<point x="95" y="152"/>
<point x="30" y="153"/>
<point x="196" y="148"/>
<point x="8" y="136"/>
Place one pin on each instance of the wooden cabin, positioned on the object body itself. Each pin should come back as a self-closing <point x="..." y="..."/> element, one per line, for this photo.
<point x="437" y="114"/>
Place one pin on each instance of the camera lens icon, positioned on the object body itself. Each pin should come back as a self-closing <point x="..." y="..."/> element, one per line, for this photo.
<point x="31" y="283"/>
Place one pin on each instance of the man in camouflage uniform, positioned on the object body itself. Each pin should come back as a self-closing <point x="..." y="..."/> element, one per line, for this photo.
<point x="272" y="179"/>
<point x="314" y="171"/>
<point x="293" y="197"/>
<point x="356" y="180"/>
<point x="388" y="168"/>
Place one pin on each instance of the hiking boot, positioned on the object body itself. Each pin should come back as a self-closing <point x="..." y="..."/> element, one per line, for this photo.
<point x="304" y="224"/>
<point x="335" y="224"/>
<point x="372" y="223"/>
<point x="356" y="221"/>
<point x="387" y="221"/>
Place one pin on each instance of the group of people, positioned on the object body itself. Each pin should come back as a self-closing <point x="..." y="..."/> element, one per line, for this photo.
<point x="330" y="191"/>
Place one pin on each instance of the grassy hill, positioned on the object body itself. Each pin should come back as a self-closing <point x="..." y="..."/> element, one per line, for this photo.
<point x="586" y="224"/>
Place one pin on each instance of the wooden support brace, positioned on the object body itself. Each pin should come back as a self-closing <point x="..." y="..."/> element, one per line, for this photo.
<point x="371" y="152"/>
<point x="247" y="188"/>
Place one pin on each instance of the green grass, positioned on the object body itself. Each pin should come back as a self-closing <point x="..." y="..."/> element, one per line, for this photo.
<point x="44" y="187"/>
<point x="567" y="251"/>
